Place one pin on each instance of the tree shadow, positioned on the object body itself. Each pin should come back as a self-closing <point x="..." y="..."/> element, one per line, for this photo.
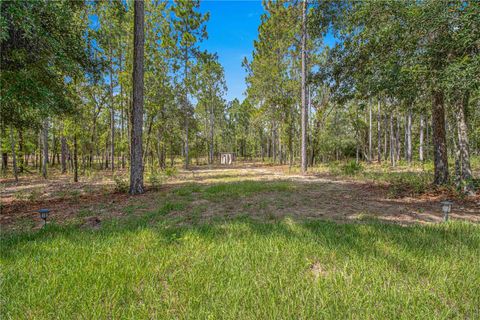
<point x="359" y="239"/>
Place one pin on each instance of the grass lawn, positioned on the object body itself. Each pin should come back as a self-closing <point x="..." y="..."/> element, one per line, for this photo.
<point x="141" y="268"/>
<point x="243" y="244"/>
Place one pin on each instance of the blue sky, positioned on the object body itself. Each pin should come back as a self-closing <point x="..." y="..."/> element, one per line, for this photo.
<point x="232" y="28"/>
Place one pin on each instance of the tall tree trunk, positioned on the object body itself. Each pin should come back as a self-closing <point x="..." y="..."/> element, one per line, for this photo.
<point x="45" y="148"/>
<point x="457" y="165"/>
<point x="40" y="158"/>
<point x="64" y="154"/>
<point x="409" y="136"/>
<point x="385" y="136"/>
<point x="441" y="175"/>
<point x="420" y="148"/>
<point x="21" y="161"/>
<point x="379" y="133"/>
<point x="4" y="152"/>
<point x="370" y="131"/>
<point x="112" y="113"/>
<point x="274" y="142"/>
<point x="14" y="157"/>
<point x="304" y="102"/>
<point x="397" y="139"/>
<point x="54" y="148"/>
<point x="122" y="116"/>
<point x="136" y="166"/>
<point x="172" y="154"/>
<point x="463" y="144"/>
<point x="4" y="161"/>
<point x="212" y="119"/>
<point x="392" y="142"/>
<point x="186" y="110"/>
<point x="75" y="158"/>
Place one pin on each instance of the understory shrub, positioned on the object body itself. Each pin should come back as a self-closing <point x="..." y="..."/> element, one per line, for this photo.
<point x="352" y="168"/>
<point x="121" y="184"/>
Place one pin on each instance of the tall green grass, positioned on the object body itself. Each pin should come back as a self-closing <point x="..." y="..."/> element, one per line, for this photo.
<point x="242" y="270"/>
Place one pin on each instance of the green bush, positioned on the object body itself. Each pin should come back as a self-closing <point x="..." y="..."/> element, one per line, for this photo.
<point x="121" y="184"/>
<point x="411" y="184"/>
<point x="171" y="172"/>
<point x="352" y="168"/>
<point x="155" y="180"/>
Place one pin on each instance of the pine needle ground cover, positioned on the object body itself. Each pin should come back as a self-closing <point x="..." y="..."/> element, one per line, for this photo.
<point x="139" y="268"/>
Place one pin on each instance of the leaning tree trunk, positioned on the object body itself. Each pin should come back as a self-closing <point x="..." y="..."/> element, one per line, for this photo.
<point x="304" y="102"/>
<point x="420" y="148"/>
<point x="463" y="145"/>
<point x="45" y="148"/>
<point x="136" y="166"/>
<point x="14" y="157"/>
<point x="441" y="175"/>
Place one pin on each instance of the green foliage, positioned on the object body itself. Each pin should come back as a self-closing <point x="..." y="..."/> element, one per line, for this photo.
<point x="352" y="168"/>
<point x="171" y="172"/>
<point x="41" y="61"/>
<point x="409" y="184"/>
<point x="155" y="179"/>
<point x="121" y="183"/>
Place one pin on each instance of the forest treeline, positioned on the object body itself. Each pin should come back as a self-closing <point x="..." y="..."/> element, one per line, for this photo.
<point x="125" y="84"/>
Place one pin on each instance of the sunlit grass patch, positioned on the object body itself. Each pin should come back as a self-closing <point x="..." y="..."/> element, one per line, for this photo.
<point x="245" y="188"/>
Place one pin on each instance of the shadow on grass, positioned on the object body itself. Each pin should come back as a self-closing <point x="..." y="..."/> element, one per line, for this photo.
<point x="361" y="239"/>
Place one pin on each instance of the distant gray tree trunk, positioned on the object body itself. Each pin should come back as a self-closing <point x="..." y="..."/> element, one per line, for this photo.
<point x="397" y="139"/>
<point x="64" y="154"/>
<point x="409" y="136"/>
<point x="136" y="165"/>
<point x="463" y="144"/>
<point x="75" y="158"/>
<point x="122" y="116"/>
<point x="21" y="161"/>
<point x="385" y="142"/>
<point x="370" y="131"/>
<point x="304" y="101"/>
<point x="274" y="143"/>
<point x="45" y="148"/>
<point x="392" y="142"/>
<point x="457" y="164"/>
<point x="212" y="127"/>
<point x="441" y="175"/>
<point x="112" y="113"/>
<point x="186" y="111"/>
<point x="379" y="133"/>
<point x="14" y="157"/>
<point x="420" y="148"/>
